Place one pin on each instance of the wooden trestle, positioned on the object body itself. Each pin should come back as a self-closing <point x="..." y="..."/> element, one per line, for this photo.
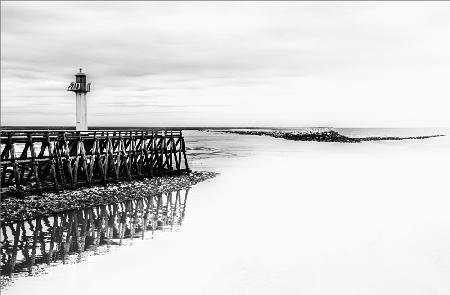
<point x="42" y="160"/>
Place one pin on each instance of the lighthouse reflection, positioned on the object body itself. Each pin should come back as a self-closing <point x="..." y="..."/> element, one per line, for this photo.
<point x="30" y="246"/>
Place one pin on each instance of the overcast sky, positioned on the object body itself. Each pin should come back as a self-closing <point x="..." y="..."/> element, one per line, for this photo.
<point x="363" y="64"/>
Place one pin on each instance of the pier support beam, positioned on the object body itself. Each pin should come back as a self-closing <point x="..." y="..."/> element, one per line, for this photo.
<point x="70" y="159"/>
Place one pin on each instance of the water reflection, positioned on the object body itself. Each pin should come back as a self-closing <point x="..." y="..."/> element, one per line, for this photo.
<point x="32" y="245"/>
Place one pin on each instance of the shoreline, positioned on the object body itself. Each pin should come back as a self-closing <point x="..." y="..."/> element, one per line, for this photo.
<point x="33" y="206"/>
<point x="326" y="135"/>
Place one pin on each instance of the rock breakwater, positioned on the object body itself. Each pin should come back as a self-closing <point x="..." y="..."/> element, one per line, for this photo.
<point x="32" y="206"/>
<point x="324" y="135"/>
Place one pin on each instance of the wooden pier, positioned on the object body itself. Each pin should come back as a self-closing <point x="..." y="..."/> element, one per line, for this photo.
<point x="39" y="160"/>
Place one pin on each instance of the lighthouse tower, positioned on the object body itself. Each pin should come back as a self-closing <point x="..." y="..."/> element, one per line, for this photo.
<point x="80" y="87"/>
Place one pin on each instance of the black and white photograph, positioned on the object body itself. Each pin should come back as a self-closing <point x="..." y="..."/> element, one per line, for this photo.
<point x="225" y="147"/>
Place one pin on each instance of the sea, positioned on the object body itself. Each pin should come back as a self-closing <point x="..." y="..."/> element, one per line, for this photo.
<point x="282" y="217"/>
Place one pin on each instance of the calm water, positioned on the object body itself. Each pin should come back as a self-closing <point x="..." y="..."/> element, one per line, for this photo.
<point x="283" y="217"/>
<point x="30" y="247"/>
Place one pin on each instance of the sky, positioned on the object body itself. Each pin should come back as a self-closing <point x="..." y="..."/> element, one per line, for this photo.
<point x="340" y="64"/>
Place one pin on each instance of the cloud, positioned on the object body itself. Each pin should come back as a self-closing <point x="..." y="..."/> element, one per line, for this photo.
<point x="274" y="56"/>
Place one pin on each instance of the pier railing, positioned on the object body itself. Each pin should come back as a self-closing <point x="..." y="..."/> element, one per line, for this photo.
<point x="37" y="160"/>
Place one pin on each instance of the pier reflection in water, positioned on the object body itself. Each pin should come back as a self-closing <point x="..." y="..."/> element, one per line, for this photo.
<point x="32" y="245"/>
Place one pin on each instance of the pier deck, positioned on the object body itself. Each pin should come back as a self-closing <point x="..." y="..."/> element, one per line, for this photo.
<point x="38" y="160"/>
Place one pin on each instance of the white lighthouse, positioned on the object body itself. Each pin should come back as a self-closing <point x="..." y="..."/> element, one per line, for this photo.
<point x="80" y="87"/>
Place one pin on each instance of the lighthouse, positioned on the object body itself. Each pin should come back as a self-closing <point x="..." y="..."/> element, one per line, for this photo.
<point x="80" y="87"/>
